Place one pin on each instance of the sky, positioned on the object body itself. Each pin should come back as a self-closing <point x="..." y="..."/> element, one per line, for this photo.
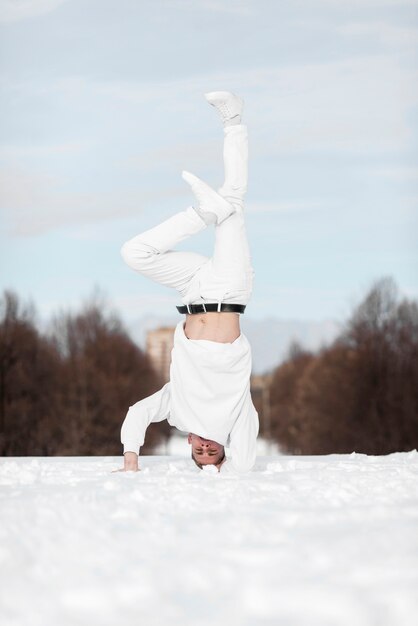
<point x="102" y="107"/>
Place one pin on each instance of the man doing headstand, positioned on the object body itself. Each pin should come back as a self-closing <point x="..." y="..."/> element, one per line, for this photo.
<point x="208" y="394"/>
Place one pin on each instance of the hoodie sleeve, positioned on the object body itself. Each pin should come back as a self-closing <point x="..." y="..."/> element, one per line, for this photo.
<point x="243" y="440"/>
<point x="155" y="408"/>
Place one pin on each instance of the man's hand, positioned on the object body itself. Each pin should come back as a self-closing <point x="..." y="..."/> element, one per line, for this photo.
<point x="130" y="463"/>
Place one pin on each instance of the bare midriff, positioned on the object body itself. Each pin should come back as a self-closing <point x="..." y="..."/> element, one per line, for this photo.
<point x="221" y="327"/>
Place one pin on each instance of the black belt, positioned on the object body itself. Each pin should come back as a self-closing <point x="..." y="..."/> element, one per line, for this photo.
<point x="211" y="307"/>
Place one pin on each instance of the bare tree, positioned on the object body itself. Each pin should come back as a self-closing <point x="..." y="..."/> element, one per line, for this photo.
<point x="68" y="392"/>
<point x="359" y="394"/>
<point x="104" y="372"/>
<point x="28" y="371"/>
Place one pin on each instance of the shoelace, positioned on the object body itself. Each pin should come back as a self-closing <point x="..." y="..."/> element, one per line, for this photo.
<point x="224" y="110"/>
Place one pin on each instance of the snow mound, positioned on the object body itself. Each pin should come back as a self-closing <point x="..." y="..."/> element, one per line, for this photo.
<point x="300" y="541"/>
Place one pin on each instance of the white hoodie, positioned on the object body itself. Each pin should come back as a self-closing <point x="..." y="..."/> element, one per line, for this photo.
<point x="208" y="395"/>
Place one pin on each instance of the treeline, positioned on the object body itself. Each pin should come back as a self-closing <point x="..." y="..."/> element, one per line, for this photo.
<point x="66" y="391"/>
<point x="360" y="393"/>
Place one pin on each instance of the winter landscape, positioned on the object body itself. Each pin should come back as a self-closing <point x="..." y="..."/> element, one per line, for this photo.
<point x="300" y="541"/>
<point x="103" y="108"/>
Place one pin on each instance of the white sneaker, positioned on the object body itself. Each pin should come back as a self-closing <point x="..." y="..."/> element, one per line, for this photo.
<point x="212" y="208"/>
<point x="228" y="105"/>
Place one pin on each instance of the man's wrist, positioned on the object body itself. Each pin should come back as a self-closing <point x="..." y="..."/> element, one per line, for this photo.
<point x="131" y="460"/>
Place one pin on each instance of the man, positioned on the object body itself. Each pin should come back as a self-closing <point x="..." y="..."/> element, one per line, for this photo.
<point x="208" y="394"/>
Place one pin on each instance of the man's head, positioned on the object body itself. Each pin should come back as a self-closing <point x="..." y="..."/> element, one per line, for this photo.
<point x="206" y="451"/>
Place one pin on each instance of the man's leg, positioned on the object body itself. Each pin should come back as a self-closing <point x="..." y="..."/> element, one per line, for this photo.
<point x="235" y="155"/>
<point x="229" y="272"/>
<point x="150" y="254"/>
<point x="228" y="276"/>
<point x="232" y="253"/>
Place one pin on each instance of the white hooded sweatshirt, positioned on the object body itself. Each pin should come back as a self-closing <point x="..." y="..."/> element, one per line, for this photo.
<point x="208" y="395"/>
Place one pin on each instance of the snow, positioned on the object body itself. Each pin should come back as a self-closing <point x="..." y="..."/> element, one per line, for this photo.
<point x="300" y="541"/>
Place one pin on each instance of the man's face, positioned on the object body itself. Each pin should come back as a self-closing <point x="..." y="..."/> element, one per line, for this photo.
<point x="206" y="451"/>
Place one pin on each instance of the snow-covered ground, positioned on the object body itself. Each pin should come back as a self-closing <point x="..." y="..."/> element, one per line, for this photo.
<point x="300" y="541"/>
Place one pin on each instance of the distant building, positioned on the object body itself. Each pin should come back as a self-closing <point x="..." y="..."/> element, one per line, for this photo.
<point x="158" y="346"/>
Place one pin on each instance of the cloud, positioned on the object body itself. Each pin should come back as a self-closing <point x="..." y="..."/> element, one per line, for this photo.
<point x="14" y="10"/>
<point x="236" y="7"/>
<point x="37" y="202"/>
<point x="200" y="154"/>
<point x="380" y="4"/>
<point x="397" y="173"/>
<point x="355" y="106"/>
<point x="388" y="33"/>
<point x="12" y="152"/>
<point x="289" y="207"/>
<point x="359" y="104"/>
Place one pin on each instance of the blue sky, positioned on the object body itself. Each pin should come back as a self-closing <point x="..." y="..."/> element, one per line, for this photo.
<point x="102" y="108"/>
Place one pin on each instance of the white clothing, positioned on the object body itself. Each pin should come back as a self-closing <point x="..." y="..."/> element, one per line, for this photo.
<point x="228" y="275"/>
<point x="208" y="395"/>
<point x="209" y="389"/>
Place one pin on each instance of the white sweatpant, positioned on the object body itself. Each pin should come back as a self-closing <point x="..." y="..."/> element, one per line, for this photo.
<point x="225" y="277"/>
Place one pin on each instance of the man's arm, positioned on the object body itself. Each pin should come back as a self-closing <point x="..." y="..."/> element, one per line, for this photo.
<point x="155" y="408"/>
<point x="243" y="440"/>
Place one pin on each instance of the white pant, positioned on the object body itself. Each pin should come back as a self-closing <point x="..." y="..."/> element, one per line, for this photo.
<point x="225" y="277"/>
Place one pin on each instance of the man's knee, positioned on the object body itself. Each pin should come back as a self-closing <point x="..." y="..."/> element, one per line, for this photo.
<point x="137" y="254"/>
